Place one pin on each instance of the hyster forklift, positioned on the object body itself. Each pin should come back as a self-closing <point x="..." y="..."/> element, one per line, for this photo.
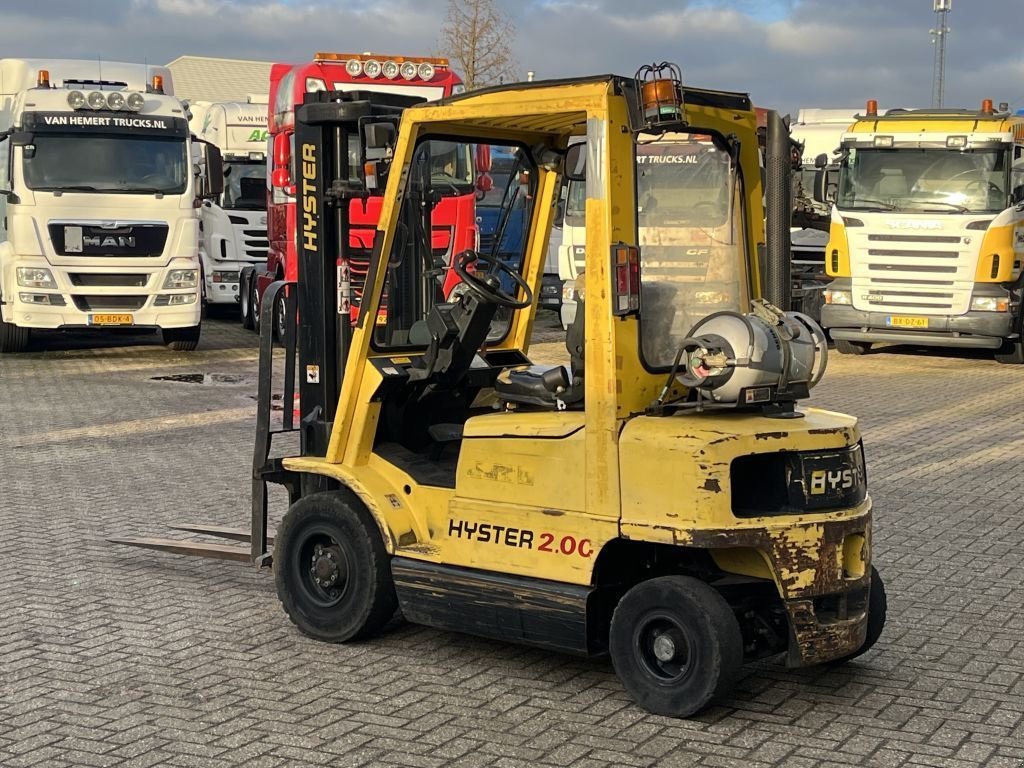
<point x="660" y="499"/>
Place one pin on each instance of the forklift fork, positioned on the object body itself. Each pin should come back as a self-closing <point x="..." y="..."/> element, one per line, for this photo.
<point x="264" y="468"/>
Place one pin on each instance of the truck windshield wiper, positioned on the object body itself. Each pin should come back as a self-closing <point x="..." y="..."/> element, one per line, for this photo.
<point x="71" y="188"/>
<point x="883" y="204"/>
<point x="924" y="205"/>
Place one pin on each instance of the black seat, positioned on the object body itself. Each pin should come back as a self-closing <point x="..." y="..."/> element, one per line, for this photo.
<point x="553" y="387"/>
<point x="533" y="385"/>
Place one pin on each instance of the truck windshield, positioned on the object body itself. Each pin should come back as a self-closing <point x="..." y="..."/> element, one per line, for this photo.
<point x="914" y="180"/>
<point x="245" y="185"/>
<point x="451" y="168"/>
<point x="692" y="259"/>
<point x="119" y="164"/>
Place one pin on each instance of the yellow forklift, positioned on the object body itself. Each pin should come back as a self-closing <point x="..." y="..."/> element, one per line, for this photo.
<point x="661" y="498"/>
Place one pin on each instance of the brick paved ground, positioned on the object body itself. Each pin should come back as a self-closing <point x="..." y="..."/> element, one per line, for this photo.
<point x="113" y="656"/>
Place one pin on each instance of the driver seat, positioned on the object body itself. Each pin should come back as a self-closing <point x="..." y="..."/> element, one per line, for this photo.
<point x="552" y="387"/>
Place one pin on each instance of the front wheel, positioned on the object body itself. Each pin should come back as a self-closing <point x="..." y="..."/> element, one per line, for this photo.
<point x="254" y="304"/>
<point x="675" y="644"/>
<point x="13" y="338"/>
<point x="332" y="572"/>
<point x="844" y="347"/>
<point x="181" y="339"/>
<point x="245" y="304"/>
<point x="1011" y="353"/>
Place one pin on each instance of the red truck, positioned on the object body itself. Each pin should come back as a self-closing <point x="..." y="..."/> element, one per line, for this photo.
<point x="454" y="219"/>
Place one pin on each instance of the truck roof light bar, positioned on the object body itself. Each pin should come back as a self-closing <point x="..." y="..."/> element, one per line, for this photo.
<point x="115" y="101"/>
<point x="390" y="67"/>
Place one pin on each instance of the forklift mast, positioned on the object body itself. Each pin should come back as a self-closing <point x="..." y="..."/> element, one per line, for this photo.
<point x="336" y="133"/>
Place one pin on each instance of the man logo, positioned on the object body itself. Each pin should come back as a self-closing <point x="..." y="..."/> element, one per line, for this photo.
<point x="109" y="241"/>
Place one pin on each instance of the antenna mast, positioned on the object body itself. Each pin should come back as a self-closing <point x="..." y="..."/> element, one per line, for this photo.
<point x="939" y="34"/>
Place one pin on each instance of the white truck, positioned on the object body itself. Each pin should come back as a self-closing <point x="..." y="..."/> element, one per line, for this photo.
<point x="98" y="226"/>
<point x="233" y="233"/>
<point x="820" y="132"/>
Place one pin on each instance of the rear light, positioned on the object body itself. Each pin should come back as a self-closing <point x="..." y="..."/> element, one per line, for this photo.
<point x="625" y="279"/>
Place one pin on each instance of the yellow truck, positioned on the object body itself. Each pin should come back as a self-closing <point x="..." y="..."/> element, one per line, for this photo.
<point x="927" y="232"/>
<point x="662" y="499"/>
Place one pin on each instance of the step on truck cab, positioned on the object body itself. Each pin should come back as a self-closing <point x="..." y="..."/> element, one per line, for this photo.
<point x="662" y="499"/>
<point x="99" y="227"/>
<point x="234" y="224"/>
<point x="927" y="235"/>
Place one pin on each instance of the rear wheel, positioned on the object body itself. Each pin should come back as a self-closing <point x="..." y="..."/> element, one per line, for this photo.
<point x="878" y="605"/>
<point x="845" y="347"/>
<point x="181" y="339"/>
<point x="13" y="338"/>
<point x="332" y="571"/>
<point x="675" y="644"/>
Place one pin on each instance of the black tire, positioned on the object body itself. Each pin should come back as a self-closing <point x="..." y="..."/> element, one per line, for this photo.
<point x="697" y="622"/>
<point x="330" y="537"/>
<point x="1011" y="353"/>
<point x="254" y="303"/>
<point x="878" y="605"/>
<point x="844" y="347"/>
<point x="182" y="339"/>
<point x="13" y="338"/>
<point x="245" y="303"/>
<point x="280" y="319"/>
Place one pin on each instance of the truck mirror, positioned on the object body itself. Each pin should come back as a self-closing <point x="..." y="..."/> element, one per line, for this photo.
<point x="379" y="135"/>
<point x="282" y="150"/>
<point x="576" y="162"/>
<point x="214" y="171"/>
<point x="281" y="178"/>
<point x="22" y="138"/>
<point x="821" y="160"/>
<point x="826" y="182"/>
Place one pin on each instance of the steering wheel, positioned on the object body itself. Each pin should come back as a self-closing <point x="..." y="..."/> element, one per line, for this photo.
<point x="983" y="186"/>
<point x="487" y="285"/>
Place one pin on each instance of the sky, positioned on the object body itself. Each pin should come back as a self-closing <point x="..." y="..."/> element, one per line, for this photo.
<point x="787" y="54"/>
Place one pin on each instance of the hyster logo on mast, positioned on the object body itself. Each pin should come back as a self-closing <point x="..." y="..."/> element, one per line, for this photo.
<point x="309" y="211"/>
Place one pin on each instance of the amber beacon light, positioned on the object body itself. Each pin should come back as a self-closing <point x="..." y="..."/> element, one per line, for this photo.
<point x="661" y="93"/>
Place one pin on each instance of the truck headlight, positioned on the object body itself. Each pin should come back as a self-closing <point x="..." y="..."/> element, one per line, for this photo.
<point x="181" y="278"/>
<point x="569" y="291"/>
<point x="174" y="299"/>
<point x="225" y="277"/>
<point x="990" y="304"/>
<point x="35" y="277"/>
<point x="838" y="296"/>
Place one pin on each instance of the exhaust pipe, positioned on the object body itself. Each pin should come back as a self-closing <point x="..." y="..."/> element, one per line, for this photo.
<point x="776" y="281"/>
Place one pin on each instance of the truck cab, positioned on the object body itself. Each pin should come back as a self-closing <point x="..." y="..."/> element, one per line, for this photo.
<point x="100" y="227"/>
<point x="927" y="232"/>
<point x="234" y="224"/>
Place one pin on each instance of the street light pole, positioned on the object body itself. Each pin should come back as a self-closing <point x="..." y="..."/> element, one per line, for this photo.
<point x="939" y="34"/>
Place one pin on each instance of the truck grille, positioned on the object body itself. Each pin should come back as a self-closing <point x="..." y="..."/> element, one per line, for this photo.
<point x="71" y="238"/>
<point x="97" y="303"/>
<point x="100" y="280"/>
<point x="253" y="240"/>
<point x="912" y="273"/>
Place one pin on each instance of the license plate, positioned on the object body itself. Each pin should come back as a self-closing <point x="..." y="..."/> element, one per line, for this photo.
<point x="902" y="321"/>
<point x="111" y="319"/>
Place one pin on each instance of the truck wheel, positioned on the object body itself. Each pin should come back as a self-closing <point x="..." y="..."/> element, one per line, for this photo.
<point x="13" y="338"/>
<point x="675" y="644"/>
<point x="877" y="607"/>
<point x="254" y="304"/>
<point x="280" y="317"/>
<point x="245" y="305"/>
<point x="182" y="339"/>
<point x="1011" y="353"/>
<point x="845" y="347"/>
<point x="332" y="572"/>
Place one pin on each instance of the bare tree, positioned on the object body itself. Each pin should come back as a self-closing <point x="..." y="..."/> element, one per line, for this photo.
<point x="478" y="40"/>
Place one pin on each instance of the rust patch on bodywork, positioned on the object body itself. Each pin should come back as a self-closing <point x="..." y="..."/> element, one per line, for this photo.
<point x="712" y="484"/>
<point x="771" y="435"/>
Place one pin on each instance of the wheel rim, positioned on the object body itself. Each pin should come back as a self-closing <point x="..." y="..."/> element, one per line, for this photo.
<point x="280" y="317"/>
<point x="244" y="302"/>
<point x="663" y="647"/>
<point x="322" y="566"/>
<point x="254" y="303"/>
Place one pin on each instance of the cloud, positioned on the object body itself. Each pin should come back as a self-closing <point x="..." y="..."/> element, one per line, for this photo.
<point x="786" y="53"/>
